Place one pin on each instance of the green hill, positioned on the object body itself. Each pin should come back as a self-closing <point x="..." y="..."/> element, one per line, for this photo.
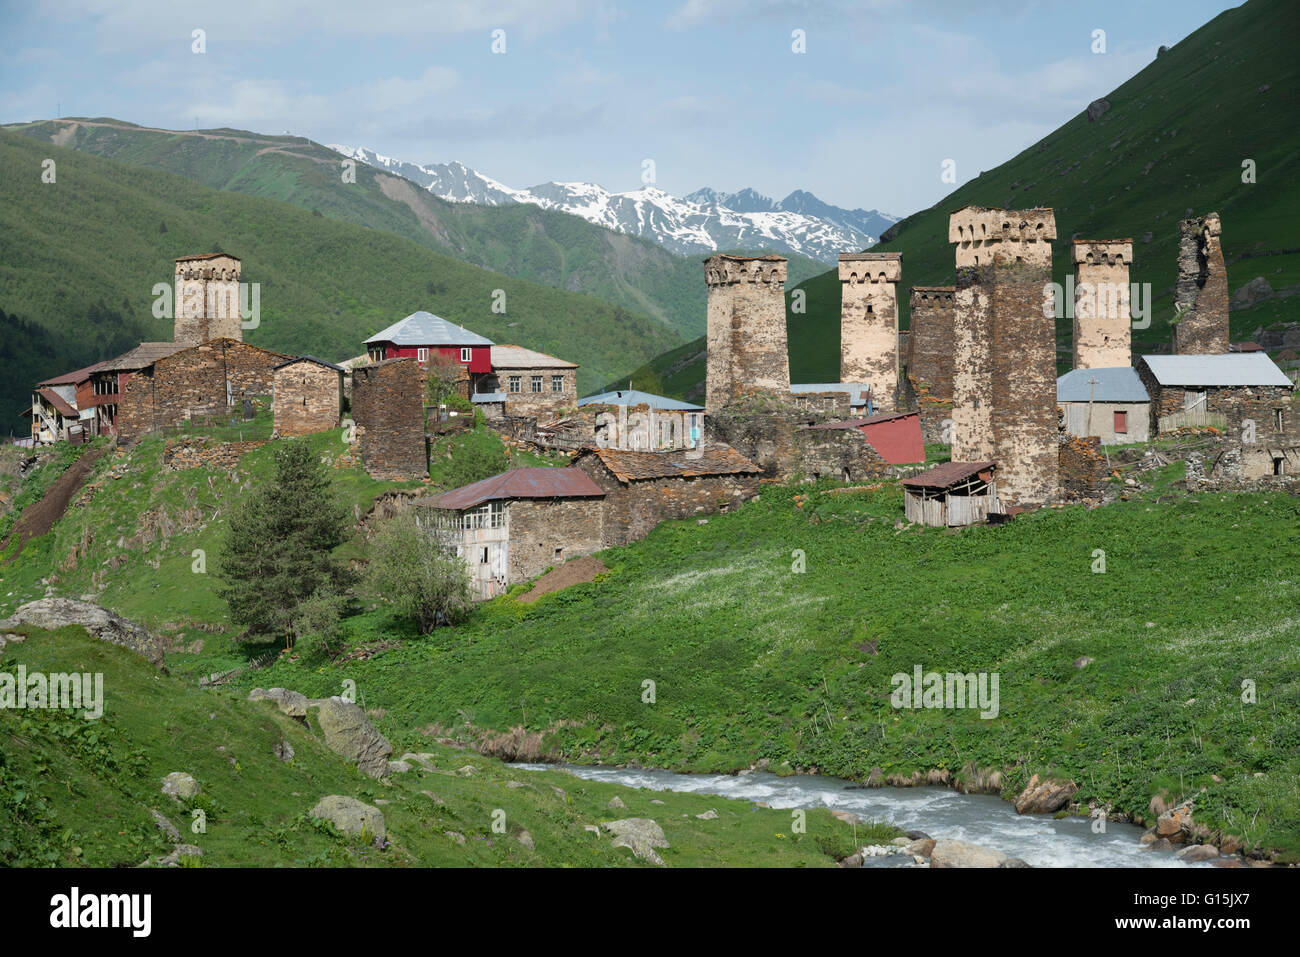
<point x="79" y="259"/>
<point x="1171" y="144"/>
<point x="523" y="241"/>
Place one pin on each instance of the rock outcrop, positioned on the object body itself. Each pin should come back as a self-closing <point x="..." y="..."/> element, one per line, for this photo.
<point x="289" y="702"/>
<point x="949" y="854"/>
<point x="99" y="623"/>
<point x="640" y="834"/>
<point x="1044" y="797"/>
<point x="348" y="732"/>
<point x="351" y="817"/>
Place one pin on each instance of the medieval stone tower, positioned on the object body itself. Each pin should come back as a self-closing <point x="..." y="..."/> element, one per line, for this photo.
<point x="1201" y="295"/>
<point x="869" y="323"/>
<point x="929" y="341"/>
<point x="207" y="298"/>
<point x="1102" y="320"/>
<point x="746" y="327"/>
<point x="1004" y="349"/>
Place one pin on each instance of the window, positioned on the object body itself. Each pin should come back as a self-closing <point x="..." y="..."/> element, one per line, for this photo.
<point x="537" y="383"/>
<point x="557" y="383"/>
<point x="1279" y="466"/>
<point x="376" y="354"/>
<point x="465" y="354"/>
<point x="515" y="384"/>
<point x="1194" y="401"/>
<point x="559" y="553"/>
<point x="422" y="354"/>
<point x="483" y="559"/>
<point x="1121" y="423"/>
<point x="1277" y="423"/>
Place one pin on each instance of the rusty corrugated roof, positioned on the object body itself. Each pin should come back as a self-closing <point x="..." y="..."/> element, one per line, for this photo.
<point x="947" y="474"/>
<point x="679" y="463"/>
<point x="71" y="378"/>
<point x="538" y="482"/>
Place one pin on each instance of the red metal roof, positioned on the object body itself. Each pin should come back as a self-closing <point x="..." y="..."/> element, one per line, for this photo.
<point x="71" y="378"/>
<point x="948" y="474"/>
<point x="522" y="483"/>
<point x="60" y="404"/>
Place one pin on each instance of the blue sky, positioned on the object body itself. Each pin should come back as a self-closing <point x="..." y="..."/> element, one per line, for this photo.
<point x="710" y="90"/>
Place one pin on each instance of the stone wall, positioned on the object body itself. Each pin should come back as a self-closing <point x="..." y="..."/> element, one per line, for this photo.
<point x="526" y="402"/>
<point x="1004" y="380"/>
<point x="1251" y="411"/>
<point x="869" y="323"/>
<point x="388" y="409"/>
<point x="771" y="434"/>
<point x="1082" y="467"/>
<point x="207" y="300"/>
<point x="928" y="388"/>
<point x="538" y="527"/>
<point x="308" y="398"/>
<point x="1102" y="319"/>
<point x="203" y="382"/>
<point x="632" y="510"/>
<point x="746" y="337"/>
<point x="1201" y="293"/>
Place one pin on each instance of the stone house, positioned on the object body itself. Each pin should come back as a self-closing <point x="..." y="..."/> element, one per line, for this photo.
<point x="1109" y="403"/>
<point x="529" y="383"/>
<point x="307" y="397"/>
<point x="513" y="526"/>
<point x="833" y="398"/>
<point x="388" y="410"/>
<point x="896" y="438"/>
<point x="1245" y="395"/>
<point x="643" y="489"/>
<point x="636" y="421"/>
<point x="111" y="376"/>
<point x="952" y="494"/>
<point x="205" y="381"/>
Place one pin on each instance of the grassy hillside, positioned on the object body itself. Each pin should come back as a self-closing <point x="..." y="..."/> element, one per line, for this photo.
<point x="76" y="792"/>
<point x="79" y="258"/>
<point x="523" y="241"/>
<point x="1171" y="145"/>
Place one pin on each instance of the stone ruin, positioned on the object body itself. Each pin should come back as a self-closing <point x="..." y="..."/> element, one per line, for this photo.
<point x="1201" y="294"/>
<point x="928" y="359"/>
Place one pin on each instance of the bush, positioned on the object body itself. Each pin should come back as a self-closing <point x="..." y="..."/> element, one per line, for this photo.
<point x="416" y="570"/>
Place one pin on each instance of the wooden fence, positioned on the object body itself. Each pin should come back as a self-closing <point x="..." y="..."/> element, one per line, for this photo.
<point x="1192" y="419"/>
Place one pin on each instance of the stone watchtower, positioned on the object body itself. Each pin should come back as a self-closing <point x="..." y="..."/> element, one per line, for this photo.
<point x="207" y="298"/>
<point x="869" y="323"/>
<point x="1201" y="295"/>
<point x="1004" y="349"/>
<point x="1102" y="321"/>
<point x="746" y="327"/>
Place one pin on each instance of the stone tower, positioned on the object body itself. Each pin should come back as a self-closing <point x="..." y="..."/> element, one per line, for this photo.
<point x="1201" y="295"/>
<point x="929" y="341"/>
<point x="1004" y="349"/>
<point x="1102" y="321"/>
<point x="746" y="327"/>
<point x="207" y="298"/>
<point x="869" y="323"/>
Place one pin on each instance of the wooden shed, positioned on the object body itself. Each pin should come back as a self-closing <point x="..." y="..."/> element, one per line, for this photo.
<point x="955" y="493"/>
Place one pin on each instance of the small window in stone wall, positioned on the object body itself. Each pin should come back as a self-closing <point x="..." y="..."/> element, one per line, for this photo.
<point x="537" y="383"/>
<point x="557" y="383"/>
<point x="515" y="385"/>
<point x="1278" y="421"/>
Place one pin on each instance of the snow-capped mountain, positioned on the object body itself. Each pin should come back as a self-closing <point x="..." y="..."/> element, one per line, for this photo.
<point x="702" y="222"/>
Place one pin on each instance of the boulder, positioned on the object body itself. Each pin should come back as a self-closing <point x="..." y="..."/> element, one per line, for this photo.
<point x="641" y="835"/>
<point x="166" y="826"/>
<point x="180" y="850"/>
<point x="1044" y="797"/>
<point x="99" y="623"/>
<point x="1257" y="290"/>
<point x="348" y="732"/>
<point x="1096" y="108"/>
<point x="1176" y="823"/>
<point x="709" y="815"/>
<point x="616" y="803"/>
<point x="283" y="750"/>
<point x="351" y="817"/>
<point x="853" y="860"/>
<point x="524" y="838"/>
<point x="289" y="702"/>
<point x="181" y="786"/>
<point x="921" y="848"/>
<point x="950" y="854"/>
<point x="848" y="817"/>
<point x="916" y="835"/>
<point x="1197" y="852"/>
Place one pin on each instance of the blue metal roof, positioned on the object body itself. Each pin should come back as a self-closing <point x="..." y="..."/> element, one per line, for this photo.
<point x="636" y="397"/>
<point x="1225" y="369"/>
<point x="1112" y="384"/>
<point x="488" y="397"/>
<point x="426" y="329"/>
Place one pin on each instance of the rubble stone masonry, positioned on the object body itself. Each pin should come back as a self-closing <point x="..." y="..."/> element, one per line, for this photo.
<point x="207" y="299"/>
<point x="1102" y="321"/>
<point x="308" y="398"/>
<point x="548" y="401"/>
<point x="1201" y="293"/>
<point x="1004" y="380"/>
<point x="388" y="409"/>
<point x="869" y="323"/>
<point x="746" y="338"/>
<point x="929" y="357"/>
<point x="548" y="532"/>
<point x="201" y="382"/>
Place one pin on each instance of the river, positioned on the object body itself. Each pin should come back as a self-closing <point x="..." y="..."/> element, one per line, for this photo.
<point x="1038" y="839"/>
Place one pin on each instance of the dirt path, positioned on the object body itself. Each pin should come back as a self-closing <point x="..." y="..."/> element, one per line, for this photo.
<point x="39" y="517"/>
<point x="570" y="573"/>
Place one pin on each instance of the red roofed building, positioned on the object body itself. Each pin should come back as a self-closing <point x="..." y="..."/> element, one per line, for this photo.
<point x="896" y="437"/>
<point x="63" y="407"/>
<point x="513" y="526"/>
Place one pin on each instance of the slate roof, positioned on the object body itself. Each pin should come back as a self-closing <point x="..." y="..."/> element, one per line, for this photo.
<point x="517" y="357"/>
<point x="538" y="482"/>
<point x="426" y="329"/>
<point x="319" y="362"/>
<point x="1114" y="384"/>
<point x="1242" y="368"/>
<point x="679" y="463"/>
<point x="947" y="475"/>
<point x="142" y="356"/>
<point x="636" y="397"/>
